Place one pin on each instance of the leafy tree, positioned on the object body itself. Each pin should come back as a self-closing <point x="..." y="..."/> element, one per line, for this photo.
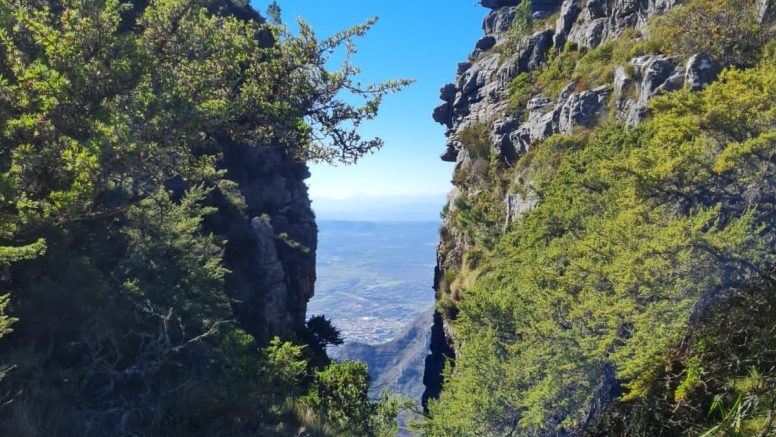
<point x="113" y="120"/>
<point x="91" y="108"/>
<point x="273" y="13"/>
<point x="323" y="333"/>
<point x="340" y="394"/>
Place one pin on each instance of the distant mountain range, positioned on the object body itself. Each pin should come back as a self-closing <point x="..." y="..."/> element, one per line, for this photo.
<point x="380" y="208"/>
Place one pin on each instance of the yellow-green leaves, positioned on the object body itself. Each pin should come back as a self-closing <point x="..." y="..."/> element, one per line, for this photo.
<point x="727" y="30"/>
<point x="632" y="229"/>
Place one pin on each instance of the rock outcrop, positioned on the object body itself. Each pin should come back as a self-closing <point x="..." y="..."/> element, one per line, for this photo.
<point x="479" y="93"/>
<point x="273" y="254"/>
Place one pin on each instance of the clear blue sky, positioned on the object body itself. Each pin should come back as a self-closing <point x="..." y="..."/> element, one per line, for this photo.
<point x="423" y="40"/>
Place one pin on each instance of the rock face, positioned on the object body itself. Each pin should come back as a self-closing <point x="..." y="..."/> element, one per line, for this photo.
<point x="479" y="93"/>
<point x="273" y="255"/>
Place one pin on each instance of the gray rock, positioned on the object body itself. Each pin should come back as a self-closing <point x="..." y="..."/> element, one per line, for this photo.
<point x="461" y="110"/>
<point x="485" y="43"/>
<point x="516" y="206"/>
<point x="635" y="115"/>
<point x="497" y="22"/>
<point x="449" y="155"/>
<point x="567" y="91"/>
<point x="500" y="138"/>
<point x="559" y="42"/>
<point x="673" y="83"/>
<point x="590" y="33"/>
<point x="596" y="8"/>
<point x="471" y="80"/>
<point x="443" y="115"/>
<point x="545" y="6"/>
<point x="266" y="252"/>
<point x="269" y="274"/>
<point x="496" y="4"/>
<point x="541" y="128"/>
<point x="447" y="93"/>
<point x="622" y="82"/>
<point x="701" y="70"/>
<point x="765" y="11"/>
<point x="569" y="12"/>
<point x="536" y="104"/>
<point x="580" y="109"/>
<point x="508" y="71"/>
<point x="521" y="139"/>
<point x="462" y="67"/>
<point x="655" y="72"/>
<point x="535" y="50"/>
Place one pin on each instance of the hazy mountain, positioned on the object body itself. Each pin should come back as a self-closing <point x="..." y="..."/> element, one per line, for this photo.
<point x="380" y="208"/>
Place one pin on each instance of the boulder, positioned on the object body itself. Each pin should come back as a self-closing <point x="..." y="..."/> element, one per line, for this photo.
<point x="485" y="43"/>
<point x="569" y="12"/>
<point x="655" y="72"/>
<point x="443" y="115"/>
<point x="535" y="52"/>
<point x="580" y="109"/>
<point x="596" y="8"/>
<point x="462" y="67"/>
<point x="497" y="22"/>
<point x="496" y="4"/>
<point x="447" y="93"/>
<point x="501" y="140"/>
<point x="700" y="71"/>
<point x="590" y="33"/>
<point x="449" y="155"/>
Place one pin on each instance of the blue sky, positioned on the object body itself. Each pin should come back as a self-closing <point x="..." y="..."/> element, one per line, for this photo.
<point x="420" y="40"/>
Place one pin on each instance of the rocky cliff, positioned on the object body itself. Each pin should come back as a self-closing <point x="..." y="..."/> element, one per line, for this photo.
<point x="494" y="118"/>
<point x="273" y="252"/>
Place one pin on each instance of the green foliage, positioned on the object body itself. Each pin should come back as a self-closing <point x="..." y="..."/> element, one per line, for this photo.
<point x="339" y="393"/>
<point x="729" y="31"/>
<point x="323" y="333"/>
<point x="116" y="124"/>
<point x="274" y="13"/>
<point x="283" y="367"/>
<point x="588" y="69"/>
<point x="633" y="228"/>
<point x="476" y="139"/>
<point x="91" y="108"/>
<point x="522" y="26"/>
<point x="5" y="320"/>
<point x="521" y="89"/>
<point x="691" y="378"/>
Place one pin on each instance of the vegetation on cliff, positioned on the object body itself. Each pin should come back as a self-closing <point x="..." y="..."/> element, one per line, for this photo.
<point x="117" y="196"/>
<point x="641" y="282"/>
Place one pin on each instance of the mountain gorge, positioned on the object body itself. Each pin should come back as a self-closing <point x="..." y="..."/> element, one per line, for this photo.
<point x="605" y="264"/>
<point x="157" y="245"/>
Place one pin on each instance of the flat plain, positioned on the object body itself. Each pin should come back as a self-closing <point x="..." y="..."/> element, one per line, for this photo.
<point x="374" y="278"/>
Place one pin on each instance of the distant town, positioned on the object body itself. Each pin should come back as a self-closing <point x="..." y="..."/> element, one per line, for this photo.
<point x="372" y="277"/>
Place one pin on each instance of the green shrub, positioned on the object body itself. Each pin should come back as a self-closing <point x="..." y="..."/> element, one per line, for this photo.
<point x="476" y="139"/>
<point x="522" y="26"/>
<point x="728" y="30"/>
